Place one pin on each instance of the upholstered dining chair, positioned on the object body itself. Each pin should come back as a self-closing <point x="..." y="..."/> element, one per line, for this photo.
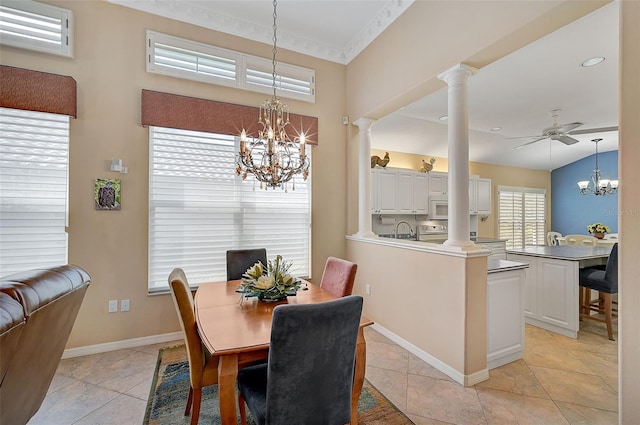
<point x="308" y="377"/>
<point x="338" y="276"/>
<point x="203" y="368"/>
<point x="606" y="283"/>
<point x="239" y="260"/>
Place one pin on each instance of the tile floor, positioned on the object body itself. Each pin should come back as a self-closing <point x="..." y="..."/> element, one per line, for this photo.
<point x="559" y="381"/>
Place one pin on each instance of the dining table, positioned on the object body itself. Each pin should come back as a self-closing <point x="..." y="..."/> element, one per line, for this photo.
<point x="237" y="329"/>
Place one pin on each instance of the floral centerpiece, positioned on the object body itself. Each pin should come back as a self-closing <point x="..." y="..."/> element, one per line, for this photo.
<point x="598" y="229"/>
<point x="271" y="282"/>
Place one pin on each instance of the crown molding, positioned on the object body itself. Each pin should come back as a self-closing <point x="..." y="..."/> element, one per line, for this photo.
<point x="194" y="13"/>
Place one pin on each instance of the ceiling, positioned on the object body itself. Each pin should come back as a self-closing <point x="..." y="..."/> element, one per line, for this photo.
<point x="516" y="92"/>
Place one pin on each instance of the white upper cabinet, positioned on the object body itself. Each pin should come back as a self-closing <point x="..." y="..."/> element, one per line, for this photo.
<point x="412" y="192"/>
<point x="438" y="183"/>
<point x="479" y="195"/>
<point x="384" y="191"/>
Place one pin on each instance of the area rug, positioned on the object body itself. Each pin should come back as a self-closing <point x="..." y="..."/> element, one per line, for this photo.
<point x="170" y="388"/>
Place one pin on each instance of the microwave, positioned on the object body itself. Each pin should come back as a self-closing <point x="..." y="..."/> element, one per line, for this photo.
<point x="438" y="209"/>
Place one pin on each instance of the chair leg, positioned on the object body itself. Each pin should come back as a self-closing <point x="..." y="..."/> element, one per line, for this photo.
<point x="607" y="313"/>
<point x="243" y="410"/>
<point x="189" y="400"/>
<point x="195" y="413"/>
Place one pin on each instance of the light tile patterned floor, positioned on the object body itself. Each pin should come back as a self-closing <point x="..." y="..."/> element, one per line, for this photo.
<point x="559" y="381"/>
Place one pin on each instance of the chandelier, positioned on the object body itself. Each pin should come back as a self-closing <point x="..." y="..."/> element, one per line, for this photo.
<point x="598" y="185"/>
<point x="272" y="157"/>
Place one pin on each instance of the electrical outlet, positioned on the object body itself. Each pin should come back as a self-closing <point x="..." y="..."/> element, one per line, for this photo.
<point x="124" y="305"/>
<point x="367" y="289"/>
<point x="113" y="306"/>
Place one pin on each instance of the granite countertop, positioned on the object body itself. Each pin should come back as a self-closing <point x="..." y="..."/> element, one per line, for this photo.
<point x="564" y="252"/>
<point x="487" y="240"/>
<point x="495" y="265"/>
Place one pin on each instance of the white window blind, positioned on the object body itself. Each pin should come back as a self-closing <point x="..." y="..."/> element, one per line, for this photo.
<point x="34" y="150"/>
<point x="182" y="58"/>
<point x="521" y="216"/>
<point x="36" y="26"/>
<point x="199" y="209"/>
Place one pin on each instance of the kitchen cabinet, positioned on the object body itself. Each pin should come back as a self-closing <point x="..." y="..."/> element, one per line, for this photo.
<point x="384" y="191"/>
<point x="479" y="195"/>
<point x="438" y="184"/>
<point x="412" y="192"/>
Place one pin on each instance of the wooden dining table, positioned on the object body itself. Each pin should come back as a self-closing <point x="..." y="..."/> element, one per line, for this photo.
<point x="238" y="331"/>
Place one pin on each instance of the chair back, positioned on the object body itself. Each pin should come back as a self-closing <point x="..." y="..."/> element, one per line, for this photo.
<point x="338" y="276"/>
<point x="311" y="362"/>
<point x="185" y="307"/>
<point x="581" y="240"/>
<point x="239" y="260"/>
<point x="611" y="272"/>
<point x="552" y="238"/>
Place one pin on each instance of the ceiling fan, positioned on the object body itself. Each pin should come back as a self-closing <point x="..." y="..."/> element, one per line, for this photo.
<point x="562" y="132"/>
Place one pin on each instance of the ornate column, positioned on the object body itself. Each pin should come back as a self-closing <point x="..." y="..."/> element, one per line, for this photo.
<point x="364" y="177"/>
<point x="458" y="127"/>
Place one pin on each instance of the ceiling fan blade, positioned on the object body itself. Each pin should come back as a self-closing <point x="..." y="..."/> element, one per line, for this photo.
<point x="537" y="136"/>
<point x="568" y="127"/>
<point x="565" y="139"/>
<point x="594" y="130"/>
<point x="529" y="143"/>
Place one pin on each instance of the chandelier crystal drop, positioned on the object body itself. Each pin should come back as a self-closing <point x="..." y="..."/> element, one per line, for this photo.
<point x="272" y="157"/>
<point x="598" y="185"/>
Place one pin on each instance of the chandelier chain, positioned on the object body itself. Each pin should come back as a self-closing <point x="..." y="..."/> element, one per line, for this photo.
<point x="275" y="40"/>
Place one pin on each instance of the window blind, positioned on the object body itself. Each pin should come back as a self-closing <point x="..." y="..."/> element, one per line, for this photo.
<point x="199" y="209"/>
<point x="521" y="216"/>
<point x="34" y="150"/>
<point x="36" y="26"/>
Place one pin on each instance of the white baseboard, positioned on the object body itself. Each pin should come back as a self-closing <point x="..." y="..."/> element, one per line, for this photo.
<point x="462" y="379"/>
<point x="119" y="345"/>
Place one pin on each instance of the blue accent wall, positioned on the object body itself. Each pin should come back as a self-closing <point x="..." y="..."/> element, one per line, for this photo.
<point x="572" y="212"/>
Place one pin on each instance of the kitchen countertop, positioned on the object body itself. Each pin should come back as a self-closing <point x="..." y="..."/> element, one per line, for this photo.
<point x="487" y="240"/>
<point x="564" y="252"/>
<point x="495" y="265"/>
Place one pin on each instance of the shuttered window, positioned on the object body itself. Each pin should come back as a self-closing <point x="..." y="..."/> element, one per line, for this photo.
<point x="182" y="58"/>
<point x="199" y="209"/>
<point x="34" y="150"/>
<point x="521" y="216"/>
<point x="36" y="26"/>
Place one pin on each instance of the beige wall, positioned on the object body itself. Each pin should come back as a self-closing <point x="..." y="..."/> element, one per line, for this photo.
<point x="109" y="67"/>
<point x="500" y="175"/>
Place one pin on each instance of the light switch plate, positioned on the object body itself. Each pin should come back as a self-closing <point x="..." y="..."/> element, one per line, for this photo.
<point x="113" y="306"/>
<point x="124" y="305"/>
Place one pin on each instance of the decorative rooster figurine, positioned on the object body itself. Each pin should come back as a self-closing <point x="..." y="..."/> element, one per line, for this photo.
<point x="376" y="160"/>
<point x="427" y="167"/>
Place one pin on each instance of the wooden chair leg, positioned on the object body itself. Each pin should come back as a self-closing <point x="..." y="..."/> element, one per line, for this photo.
<point x="607" y="313"/>
<point x="243" y="410"/>
<point x="195" y="413"/>
<point x="189" y="400"/>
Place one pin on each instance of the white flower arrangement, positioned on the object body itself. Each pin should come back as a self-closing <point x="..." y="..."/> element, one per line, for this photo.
<point x="270" y="283"/>
<point x="598" y="228"/>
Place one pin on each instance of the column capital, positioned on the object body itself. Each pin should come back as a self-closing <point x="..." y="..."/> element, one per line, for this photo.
<point x="364" y="123"/>
<point x="456" y="73"/>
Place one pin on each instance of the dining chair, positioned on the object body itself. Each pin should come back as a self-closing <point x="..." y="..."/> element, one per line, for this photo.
<point x="581" y="240"/>
<point x="308" y="377"/>
<point x="338" y="276"/>
<point x="552" y="238"/>
<point x="606" y="283"/>
<point x="203" y="367"/>
<point x="239" y="260"/>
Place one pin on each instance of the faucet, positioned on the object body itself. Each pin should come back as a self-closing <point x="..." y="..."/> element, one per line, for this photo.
<point x="408" y="225"/>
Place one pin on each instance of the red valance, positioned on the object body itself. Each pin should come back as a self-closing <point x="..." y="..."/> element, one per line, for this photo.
<point x="37" y="91"/>
<point x="190" y="113"/>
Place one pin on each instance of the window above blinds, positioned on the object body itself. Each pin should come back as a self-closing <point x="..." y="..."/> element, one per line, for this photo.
<point x="521" y="216"/>
<point x="178" y="57"/>
<point x="199" y="208"/>
<point x="36" y="26"/>
<point x="34" y="150"/>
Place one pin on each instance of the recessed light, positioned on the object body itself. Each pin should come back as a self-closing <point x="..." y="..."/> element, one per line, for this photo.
<point x="592" y="61"/>
<point x="443" y="118"/>
<point x="495" y="128"/>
